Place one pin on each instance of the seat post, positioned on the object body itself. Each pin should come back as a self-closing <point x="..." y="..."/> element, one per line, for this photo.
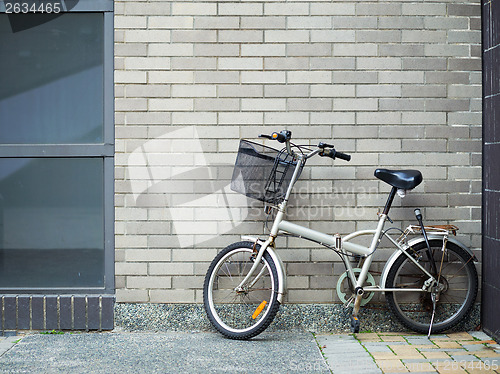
<point x="389" y="200"/>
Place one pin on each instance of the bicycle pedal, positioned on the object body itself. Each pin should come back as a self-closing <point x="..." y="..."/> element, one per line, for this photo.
<point x="354" y="324"/>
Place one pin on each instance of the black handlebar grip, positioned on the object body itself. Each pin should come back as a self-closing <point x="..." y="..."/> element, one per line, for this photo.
<point x="343" y="156"/>
<point x="265" y="136"/>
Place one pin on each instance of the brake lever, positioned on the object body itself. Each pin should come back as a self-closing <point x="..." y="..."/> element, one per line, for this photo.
<point x="266" y="136"/>
<point x="325" y="145"/>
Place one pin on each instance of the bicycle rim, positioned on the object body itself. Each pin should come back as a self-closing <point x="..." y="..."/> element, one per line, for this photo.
<point x="241" y="314"/>
<point x="458" y="280"/>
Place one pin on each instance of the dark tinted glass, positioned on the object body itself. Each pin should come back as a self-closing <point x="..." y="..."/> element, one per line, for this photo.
<point x="51" y="78"/>
<point x="51" y="222"/>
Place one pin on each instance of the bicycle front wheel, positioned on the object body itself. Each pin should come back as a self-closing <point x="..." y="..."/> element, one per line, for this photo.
<point x="457" y="287"/>
<point x="241" y="312"/>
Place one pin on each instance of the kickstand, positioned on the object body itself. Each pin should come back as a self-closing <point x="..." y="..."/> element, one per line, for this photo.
<point x="434" y="301"/>
<point x="354" y="317"/>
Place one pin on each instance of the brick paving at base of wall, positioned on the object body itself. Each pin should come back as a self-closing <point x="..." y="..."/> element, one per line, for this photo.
<point x="453" y="353"/>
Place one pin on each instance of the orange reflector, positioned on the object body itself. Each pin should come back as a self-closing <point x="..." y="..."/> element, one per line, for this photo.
<point x="259" y="309"/>
<point x="275" y="135"/>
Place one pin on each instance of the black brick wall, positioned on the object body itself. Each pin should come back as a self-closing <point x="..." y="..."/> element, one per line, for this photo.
<point x="39" y="312"/>
<point x="491" y="167"/>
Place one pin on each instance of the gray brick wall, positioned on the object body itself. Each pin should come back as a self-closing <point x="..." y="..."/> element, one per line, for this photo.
<point x="396" y="83"/>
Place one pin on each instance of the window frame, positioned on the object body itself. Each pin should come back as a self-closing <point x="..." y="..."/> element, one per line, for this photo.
<point x="104" y="150"/>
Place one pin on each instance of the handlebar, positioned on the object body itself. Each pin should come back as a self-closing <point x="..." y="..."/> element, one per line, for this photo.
<point x="333" y="154"/>
<point x="324" y="149"/>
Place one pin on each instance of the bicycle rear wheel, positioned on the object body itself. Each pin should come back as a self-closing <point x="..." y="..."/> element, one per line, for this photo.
<point x="457" y="282"/>
<point x="247" y="312"/>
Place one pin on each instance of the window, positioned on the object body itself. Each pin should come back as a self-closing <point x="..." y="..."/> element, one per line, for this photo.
<point x="56" y="149"/>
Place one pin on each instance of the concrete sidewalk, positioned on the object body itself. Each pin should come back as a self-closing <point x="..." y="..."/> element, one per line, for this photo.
<point x="270" y="352"/>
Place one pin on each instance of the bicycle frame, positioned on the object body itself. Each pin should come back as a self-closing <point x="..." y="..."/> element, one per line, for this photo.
<point x="342" y="245"/>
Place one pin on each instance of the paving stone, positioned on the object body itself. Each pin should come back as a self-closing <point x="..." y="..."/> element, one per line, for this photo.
<point x="419" y="341"/>
<point x="474" y="347"/>
<point x="480" y="335"/>
<point x="464" y="358"/>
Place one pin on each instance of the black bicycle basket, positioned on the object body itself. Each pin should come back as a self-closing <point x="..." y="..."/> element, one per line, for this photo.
<point x="261" y="172"/>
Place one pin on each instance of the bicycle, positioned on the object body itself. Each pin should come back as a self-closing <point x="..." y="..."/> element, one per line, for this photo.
<point x="430" y="281"/>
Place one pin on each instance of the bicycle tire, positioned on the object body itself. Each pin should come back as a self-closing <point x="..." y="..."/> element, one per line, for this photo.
<point x="235" y="314"/>
<point x="458" y="279"/>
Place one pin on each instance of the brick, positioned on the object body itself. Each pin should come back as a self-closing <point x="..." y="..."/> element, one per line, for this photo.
<point x="263" y="50"/>
<point x="309" y="77"/>
<point x="333" y="90"/>
<point x="286" y="118"/>
<point x="334" y="9"/>
<point x="423" y="9"/>
<point x="263" y="77"/>
<point x="401" y="77"/>
<point x="149" y="282"/>
<point x="309" y="22"/>
<point x="423" y="118"/>
<point x="373" y="145"/>
<point x="379" y="90"/>
<point x="237" y="90"/>
<point x="263" y="23"/>
<point x="164" y="49"/>
<point x="333" y="36"/>
<point x="171" y="104"/>
<point x="428" y="90"/>
<point x="240" y="9"/>
<point x="423" y="36"/>
<point x="358" y="22"/>
<point x="218" y="22"/>
<point x="424" y="63"/>
<point x="216" y="77"/>
<point x="286" y="9"/>
<point x="192" y="9"/>
<point x="167" y="22"/>
<point x="309" y="104"/>
<point x="131" y="268"/>
<point x="171" y="296"/>
<point x="400" y="23"/>
<point x="130" y="22"/>
<point x="222" y="105"/>
<point x="194" y="90"/>
<point x="355" y="77"/>
<point x="355" y="104"/>
<point x="134" y="296"/>
<point x="241" y="36"/>
<point x="130" y="76"/>
<point x="193" y="63"/>
<point x="286" y="36"/>
<point x="263" y="104"/>
<point x="216" y="50"/>
<point x="132" y="8"/>
<point x="147" y="36"/>
<point x="386" y="9"/>
<point x="332" y="63"/>
<point x="314" y="49"/>
<point x="402" y="104"/>
<point x="288" y="90"/>
<point x="234" y="63"/>
<point x="401" y="50"/>
<point x="148" y="255"/>
<point x="378" y="36"/>
<point x="358" y="49"/>
<point x="194" y="36"/>
<point x="171" y="268"/>
<point x="378" y="63"/>
<point x="170" y="77"/>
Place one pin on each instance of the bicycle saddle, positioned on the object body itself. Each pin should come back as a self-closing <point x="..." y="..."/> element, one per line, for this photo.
<point x="404" y="179"/>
